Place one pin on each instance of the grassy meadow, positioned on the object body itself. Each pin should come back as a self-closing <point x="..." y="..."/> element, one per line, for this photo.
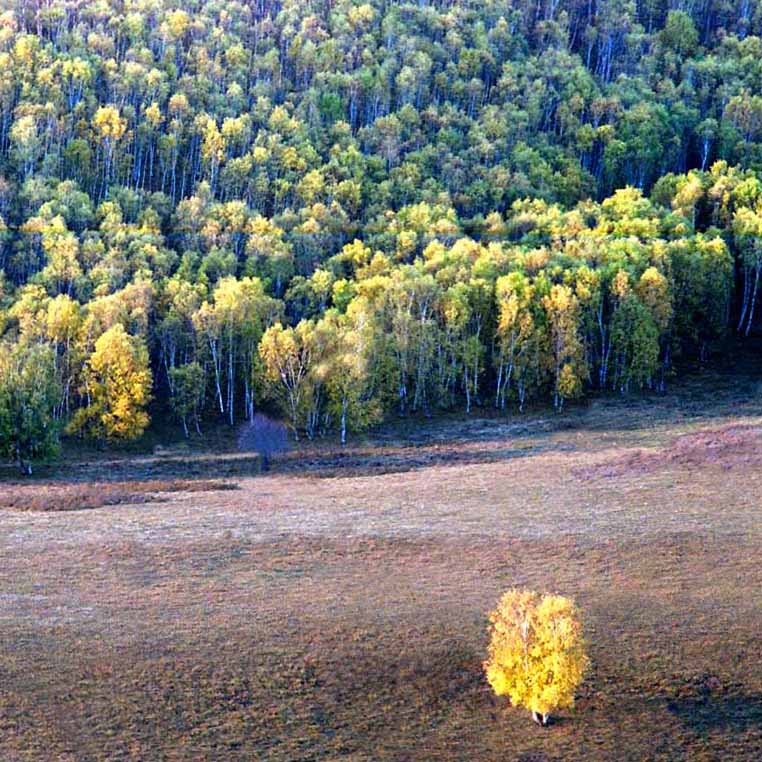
<point x="177" y="605"/>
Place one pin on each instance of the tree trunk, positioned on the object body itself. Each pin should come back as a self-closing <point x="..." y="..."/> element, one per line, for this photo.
<point x="753" y="299"/>
<point x="745" y="301"/>
<point x="216" y="364"/>
<point x="541" y="718"/>
<point x="25" y="468"/>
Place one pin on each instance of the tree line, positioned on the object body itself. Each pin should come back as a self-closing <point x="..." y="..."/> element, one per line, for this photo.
<point x="349" y="210"/>
<point x="546" y="304"/>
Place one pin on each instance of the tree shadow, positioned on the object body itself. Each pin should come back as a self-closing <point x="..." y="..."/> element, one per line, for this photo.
<point x="706" y="712"/>
<point x="380" y="462"/>
<point x="332" y="463"/>
<point x="139" y="469"/>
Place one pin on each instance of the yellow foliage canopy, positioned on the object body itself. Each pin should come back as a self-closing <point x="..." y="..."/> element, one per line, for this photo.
<point x="108" y="124"/>
<point x="536" y="651"/>
<point x="118" y="383"/>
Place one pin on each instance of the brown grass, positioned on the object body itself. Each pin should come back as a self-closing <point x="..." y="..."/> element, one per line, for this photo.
<point x="730" y="447"/>
<point x="82" y="496"/>
<point x="310" y="618"/>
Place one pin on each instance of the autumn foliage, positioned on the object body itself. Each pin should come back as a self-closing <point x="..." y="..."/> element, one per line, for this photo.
<point x="346" y="211"/>
<point x="118" y="384"/>
<point x="536" y="651"/>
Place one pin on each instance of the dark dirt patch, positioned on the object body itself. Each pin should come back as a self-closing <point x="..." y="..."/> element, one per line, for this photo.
<point x="397" y="460"/>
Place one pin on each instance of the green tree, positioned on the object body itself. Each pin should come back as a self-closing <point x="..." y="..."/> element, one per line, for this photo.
<point x="562" y="310"/>
<point x="29" y="394"/>
<point x="348" y="382"/>
<point x="287" y="357"/>
<point x="188" y="394"/>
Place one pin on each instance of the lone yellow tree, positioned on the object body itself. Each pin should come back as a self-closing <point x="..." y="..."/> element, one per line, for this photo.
<point x="117" y="386"/>
<point x="536" y="651"/>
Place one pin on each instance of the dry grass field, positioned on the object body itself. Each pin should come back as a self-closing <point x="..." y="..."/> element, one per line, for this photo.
<point x="184" y="607"/>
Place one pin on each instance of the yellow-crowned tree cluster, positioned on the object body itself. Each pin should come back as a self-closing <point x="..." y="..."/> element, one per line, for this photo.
<point x="349" y="210"/>
<point x="545" y="304"/>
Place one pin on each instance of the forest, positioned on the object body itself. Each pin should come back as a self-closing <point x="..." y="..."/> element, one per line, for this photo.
<point x="346" y="211"/>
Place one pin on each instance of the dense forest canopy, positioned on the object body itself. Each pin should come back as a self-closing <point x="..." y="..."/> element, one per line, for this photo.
<point x="353" y="208"/>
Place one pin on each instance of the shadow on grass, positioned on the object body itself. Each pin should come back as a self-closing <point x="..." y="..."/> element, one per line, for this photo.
<point x="704" y="713"/>
<point x="379" y="462"/>
<point x="138" y="469"/>
<point x="328" y="464"/>
<point x="415" y="443"/>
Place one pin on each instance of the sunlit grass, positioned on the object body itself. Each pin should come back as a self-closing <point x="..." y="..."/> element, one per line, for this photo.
<point x="300" y="617"/>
